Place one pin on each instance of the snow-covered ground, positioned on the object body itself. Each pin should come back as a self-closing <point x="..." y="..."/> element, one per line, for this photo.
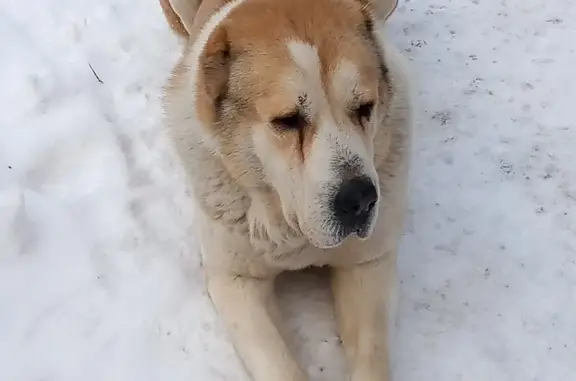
<point x="100" y="277"/>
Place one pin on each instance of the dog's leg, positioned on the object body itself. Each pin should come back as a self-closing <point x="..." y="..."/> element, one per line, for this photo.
<point x="364" y="297"/>
<point x="249" y="310"/>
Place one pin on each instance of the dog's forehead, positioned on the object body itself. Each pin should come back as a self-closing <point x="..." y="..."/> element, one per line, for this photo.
<point x="265" y="26"/>
<point x="296" y="18"/>
<point x="303" y="43"/>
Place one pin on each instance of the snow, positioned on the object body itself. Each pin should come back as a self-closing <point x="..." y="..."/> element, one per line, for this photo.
<point x="99" y="273"/>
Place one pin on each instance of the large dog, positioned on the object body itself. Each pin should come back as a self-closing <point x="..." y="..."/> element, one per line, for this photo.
<point x="292" y="119"/>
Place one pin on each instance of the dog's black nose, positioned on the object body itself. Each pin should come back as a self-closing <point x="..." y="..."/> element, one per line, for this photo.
<point x="354" y="202"/>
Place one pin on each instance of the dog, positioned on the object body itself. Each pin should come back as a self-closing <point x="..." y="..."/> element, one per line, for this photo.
<point x="293" y="119"/>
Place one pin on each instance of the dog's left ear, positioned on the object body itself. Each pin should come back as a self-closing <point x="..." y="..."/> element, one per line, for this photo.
<point x="380" y="9"/>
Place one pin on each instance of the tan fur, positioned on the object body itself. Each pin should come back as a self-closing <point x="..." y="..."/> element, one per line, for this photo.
<point x="173" y="19"/>
<point x="260" y="188"/>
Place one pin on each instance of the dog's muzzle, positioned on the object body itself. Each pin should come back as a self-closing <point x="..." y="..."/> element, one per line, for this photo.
<point x="354" y="206"/>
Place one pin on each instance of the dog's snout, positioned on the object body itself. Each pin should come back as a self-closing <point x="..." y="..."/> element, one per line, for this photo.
<point x="355" y="201"/>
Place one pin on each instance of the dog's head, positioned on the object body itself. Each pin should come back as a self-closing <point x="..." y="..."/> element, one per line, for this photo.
<point x="290" y="94"/>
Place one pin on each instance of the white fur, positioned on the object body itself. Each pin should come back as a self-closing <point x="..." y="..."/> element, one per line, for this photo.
<point x="332" y="143"/>
<point x="345" y="78"/>
<point x="241" y="269"/>
<point x="306" y="58"/>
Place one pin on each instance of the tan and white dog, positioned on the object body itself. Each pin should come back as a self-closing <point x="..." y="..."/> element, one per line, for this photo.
<point x="292" y="119"/>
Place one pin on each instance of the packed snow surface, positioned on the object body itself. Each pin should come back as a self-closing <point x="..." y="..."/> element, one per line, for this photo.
<point x="100" y="277"/>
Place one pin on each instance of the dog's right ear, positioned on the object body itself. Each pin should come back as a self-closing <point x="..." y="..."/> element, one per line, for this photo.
<point x="180" y="15"/>
<point x="213" y="75"/>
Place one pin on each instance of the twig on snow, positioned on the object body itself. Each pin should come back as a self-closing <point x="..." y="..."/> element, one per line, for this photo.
<point x="94" y="72"/>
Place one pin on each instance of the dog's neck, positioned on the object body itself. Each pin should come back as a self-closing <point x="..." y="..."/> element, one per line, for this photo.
<point x="253" y="212"/>
<point x="268" y="225"/>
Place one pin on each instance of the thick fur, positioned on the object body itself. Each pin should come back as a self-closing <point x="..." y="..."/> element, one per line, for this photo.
<point x="264" y="191"/>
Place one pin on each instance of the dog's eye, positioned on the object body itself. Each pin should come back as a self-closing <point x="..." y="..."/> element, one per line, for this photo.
<point x="364" y="111"/>
<point x="293" y="121"/>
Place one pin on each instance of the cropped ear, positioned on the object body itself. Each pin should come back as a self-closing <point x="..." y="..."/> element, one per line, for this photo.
<point x="180" y="15"/>
<point x="375" y="12"/>
<point x="381" y="9"/>
<point x="213" y="75"/>
<point x="187" y="17"/>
